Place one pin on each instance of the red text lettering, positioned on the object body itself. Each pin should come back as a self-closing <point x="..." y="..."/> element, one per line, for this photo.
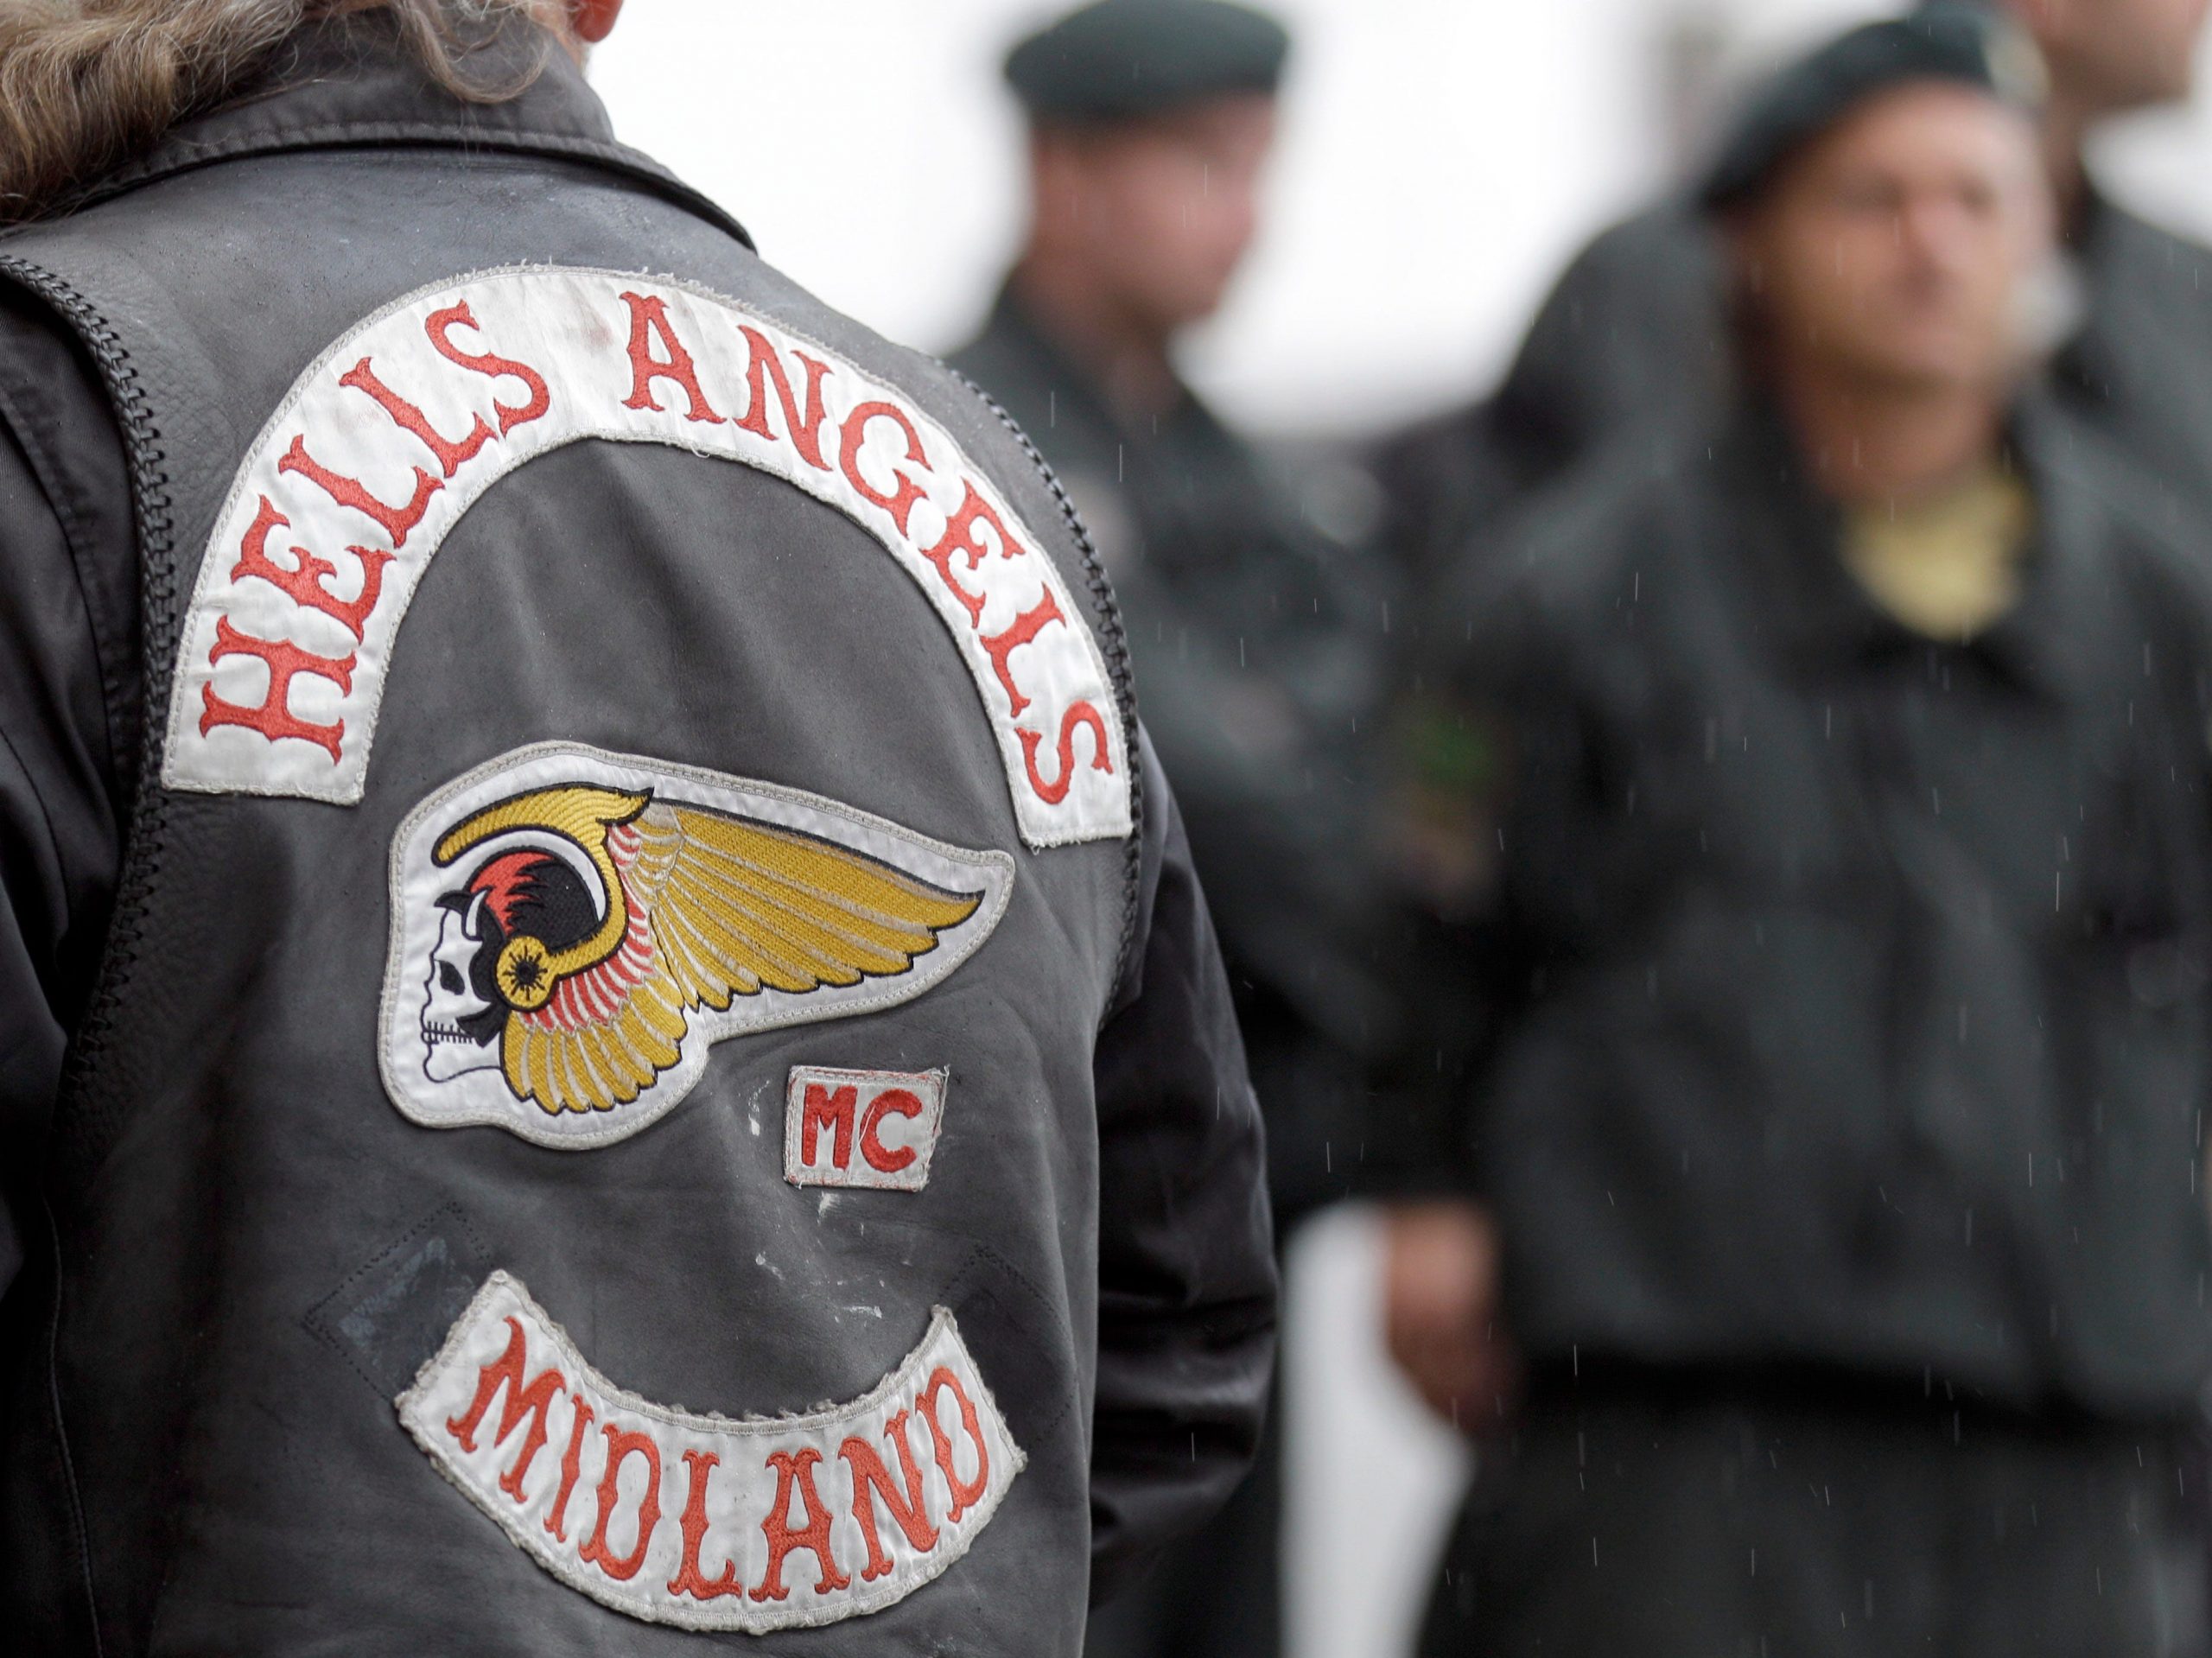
<point x="764" y="365"/>
<point x="899" y="503"/>
<point x="304" y="583"/>
<point x="571" y="1465"/>
<point x="509" y="415"/>
<point x="535" y="1399"/>
<point x="450" y="453"/>
<point x="621" y="1444"/>
<point x="826" y="1108"/>
<point x="1100" y="760"/>
<point x="966" y="1493"/>
<point x="960" y="537"/>
<point x="891" y="1102"/>
<point x="398" y="521"/>
<point x="872" y="1480"/>
<point x="689" y="1579"/>
<point x="649" y="321"/>
<point x="999" y="646"/>
<point x="272" y="716"/>
<point x="797" y="1469"/>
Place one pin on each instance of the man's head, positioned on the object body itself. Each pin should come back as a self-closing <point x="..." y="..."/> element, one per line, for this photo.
<point x="2110" y="56"/>
<point x="1150" y="121"/>
<point x="1888" y="214"/>
<point x="1161" y="209"/>
<point x="86" y="83"/>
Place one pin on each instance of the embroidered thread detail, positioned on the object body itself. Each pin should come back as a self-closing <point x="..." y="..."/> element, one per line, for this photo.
<point x="403" y="424"/>
<point x="702" y="1522"/>
<point x="572" y="930"/>
<point x="870" y="1128"/>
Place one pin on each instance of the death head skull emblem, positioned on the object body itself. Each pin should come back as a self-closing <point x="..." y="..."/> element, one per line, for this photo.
<point x="574" y="930"/>
<point x="495" y="933"/>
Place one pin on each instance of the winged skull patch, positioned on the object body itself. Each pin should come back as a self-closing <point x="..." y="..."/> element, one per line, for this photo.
<point x="572" y="929"/>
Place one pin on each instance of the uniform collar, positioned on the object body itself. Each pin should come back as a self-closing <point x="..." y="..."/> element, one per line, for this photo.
<point x="1012" y="320"/>
<point x="348" y="82"/>
<point x="1819" y="620"/>
<point x="1013" y="323"/>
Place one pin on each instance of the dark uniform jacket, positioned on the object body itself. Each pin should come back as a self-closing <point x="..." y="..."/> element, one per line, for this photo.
<point x="1259" y="640"/>
<point x="649" y="1070"/>
<point x="1634" y="339"/>
<point x="1841" y="1003"/>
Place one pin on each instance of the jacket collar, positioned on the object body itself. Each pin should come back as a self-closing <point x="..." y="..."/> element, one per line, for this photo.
<point x="1787" y="559"/>
<point x="1013" y="321"/>
<point x="348" y="82"/>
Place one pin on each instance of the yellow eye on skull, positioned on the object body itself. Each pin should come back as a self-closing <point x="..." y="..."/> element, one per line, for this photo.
<point x="525" y="974"/>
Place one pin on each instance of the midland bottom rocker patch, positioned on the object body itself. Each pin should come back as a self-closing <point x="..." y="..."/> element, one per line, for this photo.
<point x="700" y="1520"/>
<point x="572" y="929"/>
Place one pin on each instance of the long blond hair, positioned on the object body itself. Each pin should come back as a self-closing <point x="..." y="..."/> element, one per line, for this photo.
<point x="85" y="84"/>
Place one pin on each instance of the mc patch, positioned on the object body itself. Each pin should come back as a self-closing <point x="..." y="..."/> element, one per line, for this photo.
<point x="869" y="1128"/>
<point x="703" y="1521"/>
<point x="572" y="930"/>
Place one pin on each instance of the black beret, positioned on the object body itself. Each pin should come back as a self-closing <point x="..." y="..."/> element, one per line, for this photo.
<point x="1970" y="45"/>
<point x="1119" y="59"/>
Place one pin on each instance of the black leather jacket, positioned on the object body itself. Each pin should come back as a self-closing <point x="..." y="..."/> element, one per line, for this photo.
<point x="726" y="1124"/>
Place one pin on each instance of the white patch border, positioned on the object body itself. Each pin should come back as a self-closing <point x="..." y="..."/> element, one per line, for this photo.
<point x="504" y="1287"/>
<point x="915" y="1177"/>
<point x="1076" y="826"/>
<point x="705" y="1029"/>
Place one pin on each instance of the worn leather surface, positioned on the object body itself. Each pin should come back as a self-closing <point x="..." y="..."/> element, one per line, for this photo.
<point x="254" y="1250"/>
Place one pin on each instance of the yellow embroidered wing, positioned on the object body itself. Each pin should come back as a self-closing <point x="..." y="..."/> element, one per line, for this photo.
<point x="717" y="908"/>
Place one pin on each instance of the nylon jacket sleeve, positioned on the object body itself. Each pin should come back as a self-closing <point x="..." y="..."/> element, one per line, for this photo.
<point x="1187" y="1306"/>
<point x="67" y="642"/>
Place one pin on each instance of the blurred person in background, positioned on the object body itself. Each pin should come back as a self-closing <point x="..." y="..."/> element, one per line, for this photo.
<point x="1256" y="636"/>
<point x="1634" y="335"/>
<point x="1636" y="338"/>
<point x="1840" y="975"/>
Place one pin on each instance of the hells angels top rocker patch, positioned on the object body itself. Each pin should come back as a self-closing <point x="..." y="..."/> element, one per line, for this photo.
<point x="700" y="1520"/>
<point x="403" y="423"/>
<point x="572" y="930"/>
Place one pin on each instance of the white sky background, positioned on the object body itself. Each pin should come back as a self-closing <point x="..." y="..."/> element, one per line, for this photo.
<point x="1441" y="159"/>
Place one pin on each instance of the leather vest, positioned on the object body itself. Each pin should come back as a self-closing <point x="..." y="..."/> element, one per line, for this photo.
<point x="585" y="1137"/>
